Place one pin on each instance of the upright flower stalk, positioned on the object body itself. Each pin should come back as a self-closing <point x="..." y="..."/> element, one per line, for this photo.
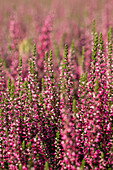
<point x="97" y="115"/>
<point x="45" y="42"/>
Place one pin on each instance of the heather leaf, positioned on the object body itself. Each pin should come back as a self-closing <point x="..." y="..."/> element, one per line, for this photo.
<point x="94" y="27"/>
<point x="95" y="48"/>
<point x="9" y="84"/>
<point x="46" y="166"/>
<point x="101" y="45"/>
<point x="83" y="165"/>
<point x="23" y="145"/>
<point x="97" y="86"/>
<point x="74" y="106"/>
<point x="20" y="167"/>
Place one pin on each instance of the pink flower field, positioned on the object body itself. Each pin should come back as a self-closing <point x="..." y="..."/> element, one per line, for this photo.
<point x="56" y="85"/>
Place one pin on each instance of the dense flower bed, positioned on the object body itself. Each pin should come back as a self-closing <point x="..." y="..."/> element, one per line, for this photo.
<point x="56" y="102"/>
<point x="45" y="123"/>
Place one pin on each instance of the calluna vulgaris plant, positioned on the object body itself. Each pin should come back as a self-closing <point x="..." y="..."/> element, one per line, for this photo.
<point x="56" y="126"/>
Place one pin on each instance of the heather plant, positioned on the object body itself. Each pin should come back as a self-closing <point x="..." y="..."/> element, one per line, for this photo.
<point x="51" y="111"/>
<point x="44" y="41"/>
<point x="68" y="133"/>
<point x="93" y="117"/>
<point x="97" y="114"/>
<point x="66" y="82"/>
<point x="110" y="61"/>
<point x="57" y="123"/>
<point x="14" y="34"/>
<point x="68" y="119"/>
<point x="75" y="68"/>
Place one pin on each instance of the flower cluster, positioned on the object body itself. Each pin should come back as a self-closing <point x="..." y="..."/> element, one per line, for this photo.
<point x="51" y="125"/>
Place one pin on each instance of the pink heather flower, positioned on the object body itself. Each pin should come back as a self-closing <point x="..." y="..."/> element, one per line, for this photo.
<point x="45" y="41"/>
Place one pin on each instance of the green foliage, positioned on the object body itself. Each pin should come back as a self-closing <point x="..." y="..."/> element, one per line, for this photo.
<point x="83" y="79"/>
<point x="1" y="115"/>
<point x="83" y="53"/>
<point x="46" y="166"/>
<point x="94" y="27"/>
<point x="37" y="156"/>
<point x="9" y="84"/>
<point x="101" y="44"/>
<point x="74" y="106"/>
<point x="102" y="155"/>
<point x="30" y="66"/>
<point x="97" y="86"/>
<point x="34" y="50"/>
<point x="23" y="145"/>
<point x="73" y="45"/>
<point x="20" y="166"/>
<point x="109" y="37"/>
<point x="83" y="164"/>
<point x="41" y="98"/>
<point x="46" y="56"/>
<point x="66" y="52"/>
<point x="95" y="48"/>
<point x="6" y="132"/>
<point x="5" y="64"/>
<point x="57" y="143"/>
<point x="12" y="90"/>
<point x="30" y="95"/>
<point x="110" y="48"/>
<point x="30" y="145"/>
<point x="50" y="57"/>
<point x="20" y="62"/>
<point x="65" y="61"/>
<point x="9" y="47"/>
<point x="58" y="134"/>
<point x="26" y="85"/>
<point x="43" y="84"/>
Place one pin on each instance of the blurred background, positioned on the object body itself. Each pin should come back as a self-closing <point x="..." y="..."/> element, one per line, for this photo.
<point x="70" y="16"/>
<point x="50" y="24"/>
